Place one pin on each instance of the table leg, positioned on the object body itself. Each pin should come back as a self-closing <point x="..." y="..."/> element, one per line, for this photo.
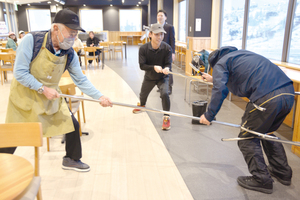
<point x="125" y="51"/>
<point x="103" y="59"/>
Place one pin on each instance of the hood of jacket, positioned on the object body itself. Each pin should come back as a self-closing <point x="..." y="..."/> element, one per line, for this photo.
<point x="216" y="55"/>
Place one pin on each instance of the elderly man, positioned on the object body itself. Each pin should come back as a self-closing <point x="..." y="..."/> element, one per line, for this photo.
<point x="155" y="58"/>
<point x="271" y="95"/>
<point x="41" y="59"/>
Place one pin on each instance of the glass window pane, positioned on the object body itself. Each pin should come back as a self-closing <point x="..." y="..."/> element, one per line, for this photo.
<point x="294" y="54"/>
<point x="130" y="20"/>
<point x="91" y="20"/>
<point x="182" y="21"/>
<point x="266" y="26"/>
<point x="39" y="19"/>
<point x="232" y="23"/>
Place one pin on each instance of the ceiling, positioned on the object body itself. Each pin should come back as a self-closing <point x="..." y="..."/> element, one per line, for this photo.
<point x="80" y="2"/>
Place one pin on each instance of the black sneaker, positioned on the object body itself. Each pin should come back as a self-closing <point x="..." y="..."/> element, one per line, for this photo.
<point x="79" y="166"/>
<point x="250" y="183"/>
<point x="284" y="181"/>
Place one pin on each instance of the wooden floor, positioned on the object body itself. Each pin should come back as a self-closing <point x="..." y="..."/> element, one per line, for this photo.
<point x="127" y="157"/>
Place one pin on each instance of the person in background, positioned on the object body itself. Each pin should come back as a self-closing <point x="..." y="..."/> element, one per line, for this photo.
<point x="12" y="41"/>
<point x="169" y="38"/>
<point x="271" y="94"/>
<point x="93" y="41"/>
<point x="78" y="43"/>
<point x="155" y="58"/>
<point x="41" y="59"/>
<point x="21" y="35"/>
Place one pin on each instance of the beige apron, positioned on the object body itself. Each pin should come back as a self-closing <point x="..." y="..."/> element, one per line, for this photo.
<point x="27" y="105"/>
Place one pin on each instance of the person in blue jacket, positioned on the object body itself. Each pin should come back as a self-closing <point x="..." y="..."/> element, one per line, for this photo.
<point x="271" y="95"/>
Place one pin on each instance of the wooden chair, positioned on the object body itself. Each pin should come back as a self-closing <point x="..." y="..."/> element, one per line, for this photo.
<point x="6" y="65"/>
<point x="106" y="48"/>
<point x="6" y="50"/>
<point x="66" y="74"/>
<point x="87" y="57"/>
<point x="118" y="48"/>
<point x="25" y="134"/>
<point x="73" y="104"/>
<point x="76" y="49"/>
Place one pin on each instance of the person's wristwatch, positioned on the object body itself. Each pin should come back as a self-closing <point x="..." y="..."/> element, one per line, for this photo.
<point x="41" y="90"/>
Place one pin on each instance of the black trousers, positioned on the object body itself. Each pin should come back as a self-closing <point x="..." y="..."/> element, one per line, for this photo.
<point x="73" y="143"/>
<point x="163" y="86"/>
<point x="171" y="80"/>
<point x="278" y="104"/>
<point x="97" y="53"/>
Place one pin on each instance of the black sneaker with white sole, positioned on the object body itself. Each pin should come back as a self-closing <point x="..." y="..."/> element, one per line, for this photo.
<point x="282" y="180"/>
<point x="76" y="165"/>
<point x="250" y="183"/>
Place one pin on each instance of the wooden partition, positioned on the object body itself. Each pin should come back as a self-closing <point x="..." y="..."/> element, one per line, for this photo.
<point x="194" y="44"/>
<point x="122" y="36"/>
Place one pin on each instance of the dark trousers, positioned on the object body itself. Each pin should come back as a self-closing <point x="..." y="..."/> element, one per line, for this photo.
<point x="163" y="86"/>
<point x="171" y="80"/>
<point x="97" y="53"/>
<point x="73" y="143"/>
<point x="265" y="122"/>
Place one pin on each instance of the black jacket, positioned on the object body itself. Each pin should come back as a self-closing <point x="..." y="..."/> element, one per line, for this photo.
<point x="169" y="37"/>
<point x="95" y="40"/>
<point x="243" y="73"/>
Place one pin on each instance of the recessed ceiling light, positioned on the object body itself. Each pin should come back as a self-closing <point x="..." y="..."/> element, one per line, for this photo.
<point x="139" y="2"/>
<point x="110" y="4"/>
<point x="123" y="1"/>
<point x="84" y="5"/>
<point x="28" y="4"/>
<point x="137" y="5"/>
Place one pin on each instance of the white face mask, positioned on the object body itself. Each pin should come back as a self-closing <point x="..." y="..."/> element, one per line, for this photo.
<point x="67" y="42"/>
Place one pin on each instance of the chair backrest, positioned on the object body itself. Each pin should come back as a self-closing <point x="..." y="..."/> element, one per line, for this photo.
<point x="7" y="57"/>
<point x="105" y="44"/>
<point x="6" y="50"/>
<point x="90" y="49"/>
<point x="21" y="134"/>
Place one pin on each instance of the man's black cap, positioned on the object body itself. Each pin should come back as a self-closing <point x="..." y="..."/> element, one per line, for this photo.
<point x="68" y="18"/>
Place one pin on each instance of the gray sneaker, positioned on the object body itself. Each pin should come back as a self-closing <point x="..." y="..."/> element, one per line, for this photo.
<point x="79" y="166"/>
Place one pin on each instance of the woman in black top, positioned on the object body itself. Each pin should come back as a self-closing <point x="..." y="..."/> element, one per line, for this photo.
<point x="93" y="41"/>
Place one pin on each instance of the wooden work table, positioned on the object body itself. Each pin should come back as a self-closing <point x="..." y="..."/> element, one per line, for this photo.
<point x="16" y="174"/>
<point x="294" y="74"/>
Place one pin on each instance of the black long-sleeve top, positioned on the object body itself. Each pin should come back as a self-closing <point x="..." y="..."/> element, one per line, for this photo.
<point x="90" y="41"/>
<point x="148" y="57"/>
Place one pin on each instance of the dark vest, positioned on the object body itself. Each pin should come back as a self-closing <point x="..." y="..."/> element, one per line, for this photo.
<point x="38" y="38"/>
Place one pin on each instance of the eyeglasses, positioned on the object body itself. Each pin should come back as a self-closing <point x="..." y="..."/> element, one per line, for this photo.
<point x="72" y="33"/>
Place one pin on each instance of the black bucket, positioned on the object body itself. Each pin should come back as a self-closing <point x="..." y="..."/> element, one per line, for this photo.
<point x="199" y="108"/>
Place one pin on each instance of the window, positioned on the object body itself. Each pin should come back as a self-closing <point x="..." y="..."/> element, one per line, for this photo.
<point x="294" y="54"/>
<point x="130" y="20"/>
<point x="39" y="19"/>
<point x="182" y="21"/>
<point x="91" y="20"/>
<point x="232" y="23"/>
<point x="266" y="27"/>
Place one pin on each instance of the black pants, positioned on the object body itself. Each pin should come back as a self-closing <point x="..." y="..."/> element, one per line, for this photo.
<point x="73" y="143"/>
<point x="170" y="81"/>
<point x="163" y="86"/>
<point x="265" y="122"/>
<point x="97" y="53"/>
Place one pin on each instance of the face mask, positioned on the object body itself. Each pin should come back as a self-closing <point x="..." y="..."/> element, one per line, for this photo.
<point x="67" y="42"/>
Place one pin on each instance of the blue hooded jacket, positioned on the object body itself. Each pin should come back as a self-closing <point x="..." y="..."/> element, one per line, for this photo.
<point x="244" y="74"/>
